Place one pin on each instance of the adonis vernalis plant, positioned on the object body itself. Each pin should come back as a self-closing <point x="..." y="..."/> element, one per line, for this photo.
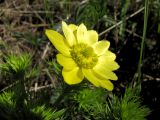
<point x="83" y="56"/>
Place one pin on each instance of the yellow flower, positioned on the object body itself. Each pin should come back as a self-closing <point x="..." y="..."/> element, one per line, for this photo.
<point x="83" y="56"/>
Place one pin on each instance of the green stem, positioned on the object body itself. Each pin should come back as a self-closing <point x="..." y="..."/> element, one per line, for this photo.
<point x="143" y="40"/>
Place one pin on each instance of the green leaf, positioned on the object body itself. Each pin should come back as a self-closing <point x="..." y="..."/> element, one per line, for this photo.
<point x="47" y="113"/>
<point x="16" y="64"/>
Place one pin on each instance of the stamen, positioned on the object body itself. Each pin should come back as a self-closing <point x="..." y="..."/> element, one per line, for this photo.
<point x="84" y="56"/>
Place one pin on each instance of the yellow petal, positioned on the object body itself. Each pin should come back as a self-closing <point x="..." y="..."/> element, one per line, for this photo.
<point x="68" y="34"/>
<point x="58" y="41"/>
<point x="106" y="84"/>
<point x="92" y="37"/>
<point x="73" y="76"/>
<point x="96" y="81"/>
<point x="106" y="65"/>
<point x="101" y="47"/>
<point x="108" y="62"/>
<point x="82" y="33"/>
<point x="66" y="62"/>
<point x="108" y="55"/>
<point x="103" y="72"/>
<point x="111" y="65"/>
<point x="91" y="77"/>
<point x="72" y="27"/>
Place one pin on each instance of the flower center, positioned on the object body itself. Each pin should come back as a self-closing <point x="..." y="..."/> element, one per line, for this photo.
<point x="84" y="55"/>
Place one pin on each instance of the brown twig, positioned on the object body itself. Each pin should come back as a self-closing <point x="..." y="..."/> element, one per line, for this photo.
<point x="40" y="88"/>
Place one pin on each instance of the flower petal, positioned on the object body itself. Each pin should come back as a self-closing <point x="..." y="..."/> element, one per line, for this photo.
<point x="67" y="62"/>
<point x="108" y="55"/>
<point x="106" y="84"/>
<point x="73" y="76"/>
<point x="58" y="41"/>
<point x="82" y="33"/>
<point x="101" y="47"/>
<point x="95" y="80"/>
<point x="103" y="72"/>
<point x="91" y="77"/>
<point x="72" y="27"/>
<point x="108" y="62"/>
<point x="68" y="34"/>
<point x="111" y="65"/>
<point x="92" y="37"/>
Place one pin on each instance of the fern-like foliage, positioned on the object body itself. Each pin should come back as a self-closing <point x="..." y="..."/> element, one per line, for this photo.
<point x="9" y="111"/>
<point x="131" y="106"/>
<point x="88" y="98"/>
<point x="102" y="105"/>
<point x="7" y="106"/>
<point x="47" y="113"/>
<point x="91" y="103"/>
<point x="16" y="65"/>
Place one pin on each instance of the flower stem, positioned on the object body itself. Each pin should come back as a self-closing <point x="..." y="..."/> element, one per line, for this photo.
<point x="143" y="40"/>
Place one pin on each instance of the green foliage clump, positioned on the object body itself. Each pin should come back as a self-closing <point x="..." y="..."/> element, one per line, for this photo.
<point x="7" y="106"/>
<point x="131" y="106"/>
<point x="88" y="98"/>
<point x="102" y="105"/>
<point x="16" y="65"/>
<point x="31" y="111"/>
<point x="48" y="113"/>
